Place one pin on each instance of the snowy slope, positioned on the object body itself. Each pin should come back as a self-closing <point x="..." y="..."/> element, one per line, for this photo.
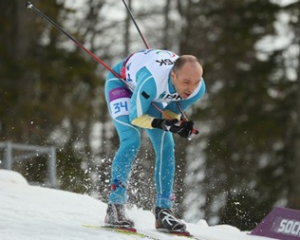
<point x="36" y="213"/>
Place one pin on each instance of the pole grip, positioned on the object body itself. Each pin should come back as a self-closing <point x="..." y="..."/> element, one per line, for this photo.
<point x="195" y="131"/>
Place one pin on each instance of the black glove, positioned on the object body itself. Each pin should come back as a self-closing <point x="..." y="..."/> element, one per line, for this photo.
<point x="186" y="129"/>
<point x="166" y="125"/>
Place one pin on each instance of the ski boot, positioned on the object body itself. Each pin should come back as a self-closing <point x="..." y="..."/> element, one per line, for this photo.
<point x="116" y="218"/>
<point x="167" y="222"/>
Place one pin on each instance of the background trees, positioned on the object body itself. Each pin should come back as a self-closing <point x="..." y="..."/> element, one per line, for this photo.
<point x="246" y="158"/>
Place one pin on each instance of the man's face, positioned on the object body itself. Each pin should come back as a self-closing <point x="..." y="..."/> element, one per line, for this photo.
<point x="187" y="79"/>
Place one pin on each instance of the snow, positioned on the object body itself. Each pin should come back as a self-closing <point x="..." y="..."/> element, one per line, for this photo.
<point x="36" y="213"/>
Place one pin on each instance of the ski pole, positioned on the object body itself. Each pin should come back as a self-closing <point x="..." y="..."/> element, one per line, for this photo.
<point x="29" y="5"/>
<point x="135" y="23"/>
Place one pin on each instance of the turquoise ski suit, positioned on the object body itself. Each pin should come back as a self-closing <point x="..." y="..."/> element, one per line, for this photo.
<point x="149" y="72"/>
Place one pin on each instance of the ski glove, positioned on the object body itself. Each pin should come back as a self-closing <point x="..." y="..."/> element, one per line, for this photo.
<point x="186" y="129"/>
<point x="166" y="124"/>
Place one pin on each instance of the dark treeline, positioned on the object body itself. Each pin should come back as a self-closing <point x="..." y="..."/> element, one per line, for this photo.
<point x="246" y="158"/>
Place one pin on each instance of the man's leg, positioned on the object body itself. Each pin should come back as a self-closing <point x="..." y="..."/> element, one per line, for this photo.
<point x="118" y="99"/>
<point x="120" y="170"/>
<point x="163" y="143"/>
<point x="121" y="166"/>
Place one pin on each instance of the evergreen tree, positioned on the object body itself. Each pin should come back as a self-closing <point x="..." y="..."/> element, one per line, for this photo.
<point x="47" y="90"/>
<point x="291" y="62"/>
<point x="245" y="121"/>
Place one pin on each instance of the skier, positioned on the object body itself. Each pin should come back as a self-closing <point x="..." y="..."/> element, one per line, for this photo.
<point x="161" y="80"/>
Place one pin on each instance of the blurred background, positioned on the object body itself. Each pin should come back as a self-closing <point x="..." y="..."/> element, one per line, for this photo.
<point x="246" y="159"/>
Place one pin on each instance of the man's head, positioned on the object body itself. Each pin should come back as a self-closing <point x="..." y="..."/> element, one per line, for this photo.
<point x="186" y="75"/>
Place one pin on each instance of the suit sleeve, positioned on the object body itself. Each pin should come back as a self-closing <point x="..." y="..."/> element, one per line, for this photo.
<point x="141" y="99"/>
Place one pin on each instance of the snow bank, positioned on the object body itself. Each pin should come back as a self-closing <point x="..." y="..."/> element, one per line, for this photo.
<point x="38" y="213"/>
<point x="7" y="176"/>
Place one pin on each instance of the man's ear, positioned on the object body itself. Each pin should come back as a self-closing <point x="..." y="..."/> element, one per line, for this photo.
<point x="173" y="74"/>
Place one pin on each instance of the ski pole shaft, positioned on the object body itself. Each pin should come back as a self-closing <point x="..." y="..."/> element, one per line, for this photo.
<point x="135" y="23"/>
<point x="29" y="5"/>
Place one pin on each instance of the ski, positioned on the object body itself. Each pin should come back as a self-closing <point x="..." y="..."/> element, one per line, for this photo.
<point x="133" y="232"/>
<point x="126" y="231"/>
<point x="185" y="235"/>
<point x="192" y="237"/>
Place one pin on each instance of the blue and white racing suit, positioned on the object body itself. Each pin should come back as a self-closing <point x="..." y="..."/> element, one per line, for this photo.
<point x="149" y="72"/>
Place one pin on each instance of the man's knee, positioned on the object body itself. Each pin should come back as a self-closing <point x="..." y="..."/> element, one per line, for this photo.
<point x="131" y="141"/>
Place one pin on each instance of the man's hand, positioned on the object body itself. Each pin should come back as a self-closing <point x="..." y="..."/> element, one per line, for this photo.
<point x="166" y="125"/>
<point x="183" y="129"/>
<point x="186" y="129"/>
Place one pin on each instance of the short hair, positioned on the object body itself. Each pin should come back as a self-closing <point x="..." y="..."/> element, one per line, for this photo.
<point x="184" y="59"/>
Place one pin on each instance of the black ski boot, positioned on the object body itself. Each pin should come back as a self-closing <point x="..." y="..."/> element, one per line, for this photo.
<point x="167" y="222"/>
<point x="116" y="218"/>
